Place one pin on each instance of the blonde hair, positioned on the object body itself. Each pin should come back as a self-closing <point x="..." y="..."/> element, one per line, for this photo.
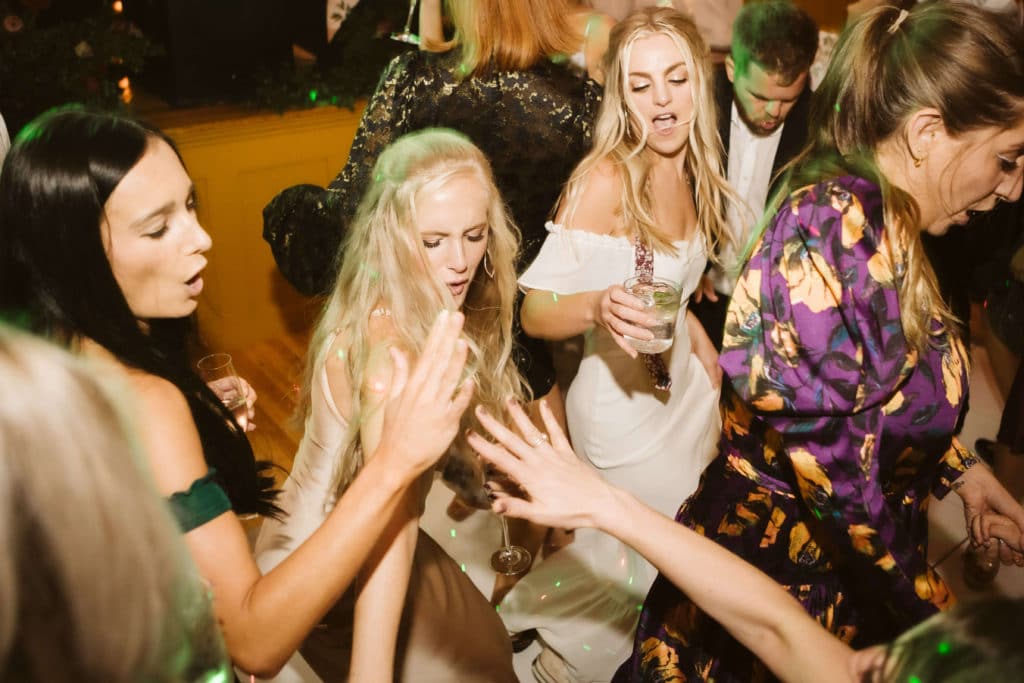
<point x="95" y="582"/>
<point x="510" y="35"/>
<point x="620" y="134"/>
<point x="958" y="59"/>
<point x="384" y="260"/>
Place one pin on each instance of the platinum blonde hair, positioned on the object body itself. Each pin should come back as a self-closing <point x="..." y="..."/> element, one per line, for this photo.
<point x="620" y="134"/>
<point x="383" y="261"/>
<point x="95" y="581"/>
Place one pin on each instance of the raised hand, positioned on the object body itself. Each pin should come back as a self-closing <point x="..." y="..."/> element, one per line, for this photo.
<point x="562" y="491"/>
<point x="424" y="407"/>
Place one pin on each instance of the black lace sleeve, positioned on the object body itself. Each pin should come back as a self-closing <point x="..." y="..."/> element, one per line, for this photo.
<point x="304" y="224"/>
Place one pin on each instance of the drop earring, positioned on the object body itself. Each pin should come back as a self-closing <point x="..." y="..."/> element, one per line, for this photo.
<point x="488" y="267"/>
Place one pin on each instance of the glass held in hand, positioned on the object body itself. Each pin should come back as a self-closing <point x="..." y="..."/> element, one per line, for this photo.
<point x="406" y="35"/>
<point x="218" y="372"/>
<point x="662" y="299"/>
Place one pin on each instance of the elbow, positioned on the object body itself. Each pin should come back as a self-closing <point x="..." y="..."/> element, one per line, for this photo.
<point x="528" y="318"/>
<point x="530" y="327"/>
<point x="258" y="660"/>
<point x="260" y="666"/>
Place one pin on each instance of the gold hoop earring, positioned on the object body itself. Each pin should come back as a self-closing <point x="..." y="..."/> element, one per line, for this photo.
<point x="917" y="163"/>
<point x="488" y="267"/>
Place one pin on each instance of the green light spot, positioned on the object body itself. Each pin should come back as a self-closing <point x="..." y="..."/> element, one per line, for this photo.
<point x="914" y="679"/>
<point x="557" y="584"/>
<point x="463" y="567"/>
<point x="837" y="107"/>
<point x="640" y="607"/>
<point x="341" y="354"/>
<point x="554" y="295"/>
<point x="497" y="608"/>
<point x="217" y="677"/>
<point x="313" y="94"/>
<point x="453" y="533"/>
<point x="586" y="647"/>
<point x="817" y="513"/>
<point x="944" y="648"/>
<point x="631" y="581"/>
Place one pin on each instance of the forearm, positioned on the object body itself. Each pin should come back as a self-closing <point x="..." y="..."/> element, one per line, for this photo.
<point x="758" y="612"/>
<point x="431" y="27"/>
<point x="384" y="582"/>
<point x="282" y="607"/>
<point x="547" y="315"/>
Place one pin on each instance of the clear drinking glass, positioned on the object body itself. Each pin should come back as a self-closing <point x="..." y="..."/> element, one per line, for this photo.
<point x="406" y="35"/>
<point x="465" y="473"/>
<point x="662" y="298"/>
<point x="218" y="371"/>
<point x="509" y="559"/>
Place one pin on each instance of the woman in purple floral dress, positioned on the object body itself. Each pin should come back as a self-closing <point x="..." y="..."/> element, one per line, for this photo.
<point x="846" y="375"/>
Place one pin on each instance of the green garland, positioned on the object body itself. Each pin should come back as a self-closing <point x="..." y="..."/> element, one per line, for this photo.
<point x="72" y="61"/>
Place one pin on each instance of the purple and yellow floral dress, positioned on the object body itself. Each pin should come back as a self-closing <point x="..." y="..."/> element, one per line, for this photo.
<point x="834" y="434"/>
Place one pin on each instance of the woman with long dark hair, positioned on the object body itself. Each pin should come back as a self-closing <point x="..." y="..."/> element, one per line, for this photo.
<point x="101" y="250"/>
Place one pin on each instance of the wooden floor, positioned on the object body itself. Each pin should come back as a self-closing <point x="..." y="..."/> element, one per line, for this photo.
<point x="274" y="369"/>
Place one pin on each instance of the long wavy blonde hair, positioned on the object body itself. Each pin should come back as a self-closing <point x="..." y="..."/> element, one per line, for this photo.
<point x="510" y="35"/>
<point x="384" y="262"/>
<point x="620" y="134"/>
<point x="961" y="60"/>
<point x="95" y="580"/>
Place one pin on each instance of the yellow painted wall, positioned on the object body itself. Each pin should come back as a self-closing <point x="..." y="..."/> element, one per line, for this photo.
<point x="830" y="14"/>
<point x="239" y="161"/>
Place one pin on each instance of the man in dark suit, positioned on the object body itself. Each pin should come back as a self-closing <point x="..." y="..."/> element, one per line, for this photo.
<point x="763" y="94"/>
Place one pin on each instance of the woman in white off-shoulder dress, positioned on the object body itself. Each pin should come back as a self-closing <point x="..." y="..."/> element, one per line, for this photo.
<point x="631" y="205"/>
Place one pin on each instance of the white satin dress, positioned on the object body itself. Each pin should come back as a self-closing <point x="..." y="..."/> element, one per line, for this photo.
<point x="449" y="632"/>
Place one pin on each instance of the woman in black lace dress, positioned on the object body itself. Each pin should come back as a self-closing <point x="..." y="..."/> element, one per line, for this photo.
<point x="501" y="86"/>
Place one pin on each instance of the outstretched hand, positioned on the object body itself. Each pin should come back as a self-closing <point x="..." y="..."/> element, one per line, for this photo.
<point x="562" y="491"/>
<point x="424" y="407"/>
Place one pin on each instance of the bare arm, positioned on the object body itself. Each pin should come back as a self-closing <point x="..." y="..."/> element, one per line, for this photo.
<point x="265" y="618"/>
<point x="548" y="315"/>
<point x="384" y="579"/>
<point x="564" y="492"/>
<point x="596" y="30"/>
<point x="431" y="27"/>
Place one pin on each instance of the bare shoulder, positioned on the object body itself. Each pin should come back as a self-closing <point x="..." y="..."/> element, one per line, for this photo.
<point x="167" y="432"/>
<point x="598" y="206"/>
<point x="382" y="336"/>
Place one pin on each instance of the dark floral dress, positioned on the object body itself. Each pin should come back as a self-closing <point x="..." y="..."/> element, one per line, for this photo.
<point x="834" y="434"/>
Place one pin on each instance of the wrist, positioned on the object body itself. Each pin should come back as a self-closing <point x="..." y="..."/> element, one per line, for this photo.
<point x="611" y="511"/>
<point x="393" y="471"/>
